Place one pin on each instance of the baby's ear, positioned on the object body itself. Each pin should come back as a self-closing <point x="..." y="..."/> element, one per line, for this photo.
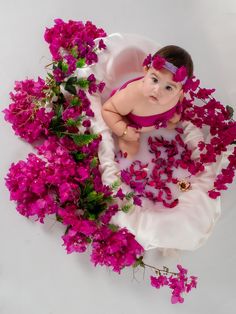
<point x="181" y="95"/>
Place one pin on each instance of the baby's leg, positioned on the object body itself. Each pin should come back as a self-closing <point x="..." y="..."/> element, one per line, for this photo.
<point x="129" y="147"/>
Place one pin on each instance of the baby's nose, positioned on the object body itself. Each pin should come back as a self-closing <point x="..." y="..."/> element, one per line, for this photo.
<point x="157" y="90"/>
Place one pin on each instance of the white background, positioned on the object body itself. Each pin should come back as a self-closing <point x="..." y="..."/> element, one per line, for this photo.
<point x="36" y="274"/>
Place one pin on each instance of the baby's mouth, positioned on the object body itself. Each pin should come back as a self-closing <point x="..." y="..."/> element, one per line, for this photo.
<point x="154" y="98"/>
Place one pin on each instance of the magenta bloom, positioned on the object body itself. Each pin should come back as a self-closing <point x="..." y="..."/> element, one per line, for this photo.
<point x="28" y="187"/>
<point x="191" y="84"/>
<point x="29" y="120"/>
<point x="159" y="281"/>
<point x="147" y="61"/>
<point x="115" y="249"/>
<point x="111" y="211"/>
<point x="77" y="238"/>
<point x="83" y="173"/>
<point x="66" y="35"/>
<point x="158" y="62"/>
<point x="213" y="194"/>
<point x="120" y="194"/>
<point x="178" y="284"/>
<point x="101" y="44"/>
<point x="180" y="74"/>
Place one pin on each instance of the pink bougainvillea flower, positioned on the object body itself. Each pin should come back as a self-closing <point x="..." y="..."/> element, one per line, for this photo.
<point x="83" y="173"/>
<point x="29" y="121"/>
<point x="120" y="194"/>
<point x="213" y="194"/>
<point x="66" y="35"/>
<point x="77" y="238"/>
<point x="159" y="281"/>
<point x="116" y="249"/>
<point x="178" y="283"/>
<point x="28" y="187"/>
<point x="111" y="211"/>
<point x="191" y="84"/>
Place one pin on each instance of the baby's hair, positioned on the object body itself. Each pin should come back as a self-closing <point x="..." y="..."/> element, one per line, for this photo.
<point x="177" y="56"/>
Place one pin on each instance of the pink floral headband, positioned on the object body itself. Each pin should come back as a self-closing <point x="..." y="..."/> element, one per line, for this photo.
<point x="158" y="62"/>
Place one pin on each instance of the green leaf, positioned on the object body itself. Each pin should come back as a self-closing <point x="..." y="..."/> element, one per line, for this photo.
<point x="80" y="63"/>
<point x="129" y="195"/>
<point x="79" y="120"/>
<point x="59" y="134"/>
<point x="126" y="208"/>
<point x="74" y="52"/>
<point x="75" y="101"/>
<point x="71" y="122"/>
<point x="70" y="88"/>
<point x="56" y="90"/>
<point x="64" y="67"/>
<point x="56" y="126"/>
<point x="59" y="111"/>
<point x="88" y="188"/>
<point x="59" y="65"/>
<point x="92" y="216"/>
<point x="83" y="139"/>
<point x="72" y="80"/>
<point x="230" y="111"/>
<point x="88" y="240"/>
<point x="94" y="162"/>
<point x="95" y="197"/>
<point x="113" y="227"/>
<point x="67" y="229"/>
<point x="92" y="196"/>
<point x="165" y="269"/>
<point x="50" y="75"/>
<point x="115" y="185"/>
<point x="139" y="262"/>
<point x="83" y="83"/>
<point x="58" y="218"/>
<point x="78" y="156"/>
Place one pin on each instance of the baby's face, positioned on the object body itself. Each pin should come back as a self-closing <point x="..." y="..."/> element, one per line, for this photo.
<point x="159" y="87"/>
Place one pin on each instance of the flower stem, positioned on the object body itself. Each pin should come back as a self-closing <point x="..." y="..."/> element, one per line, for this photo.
<point x="160" y="270"/>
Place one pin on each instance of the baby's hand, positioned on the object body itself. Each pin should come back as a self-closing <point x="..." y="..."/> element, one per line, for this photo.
<point x="132" y="134"/>
<point x="176" y="118"/>
<point x="171" y="124"/>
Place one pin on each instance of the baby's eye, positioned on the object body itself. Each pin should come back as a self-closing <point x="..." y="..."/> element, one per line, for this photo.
<point x="169" y="88"/>
<point x="155" y="80"/>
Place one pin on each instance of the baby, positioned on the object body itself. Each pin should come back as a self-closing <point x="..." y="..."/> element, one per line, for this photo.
<point x="151" y="101"/>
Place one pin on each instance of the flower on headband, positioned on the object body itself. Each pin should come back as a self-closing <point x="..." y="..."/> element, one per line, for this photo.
<point x="147" y="61"/>
<point x="180" y="74"/>
<point x="158" y="62"/>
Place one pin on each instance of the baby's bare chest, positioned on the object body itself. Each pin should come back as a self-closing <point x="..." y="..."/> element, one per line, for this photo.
<point x="143" y="107"/>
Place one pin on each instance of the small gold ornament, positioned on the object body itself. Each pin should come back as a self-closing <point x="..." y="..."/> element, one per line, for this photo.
<point x="184" y="185"/>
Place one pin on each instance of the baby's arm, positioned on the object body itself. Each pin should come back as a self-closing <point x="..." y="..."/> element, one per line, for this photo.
<point x="113" y="112"/>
